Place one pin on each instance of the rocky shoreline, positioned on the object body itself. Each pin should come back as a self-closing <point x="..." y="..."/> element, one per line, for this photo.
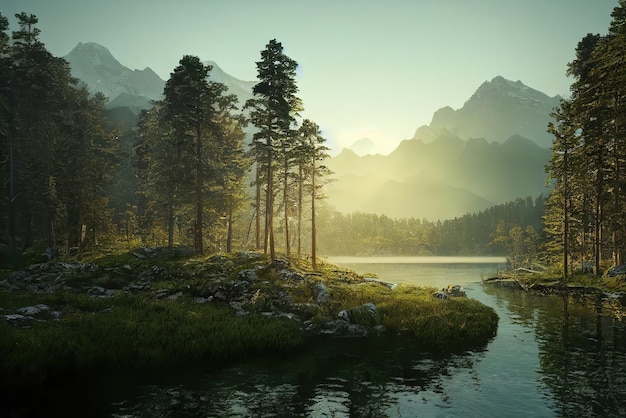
<point x="246" y="290"/>
<point x="219" y="286"/>
<point x="152" y="308"/>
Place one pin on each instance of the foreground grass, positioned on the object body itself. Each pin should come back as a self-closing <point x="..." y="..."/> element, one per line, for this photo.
<point x="138" y="331"/>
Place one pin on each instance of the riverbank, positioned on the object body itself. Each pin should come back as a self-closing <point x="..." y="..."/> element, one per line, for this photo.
<point x="152" y="308"/>
<point x="550" y="281"/>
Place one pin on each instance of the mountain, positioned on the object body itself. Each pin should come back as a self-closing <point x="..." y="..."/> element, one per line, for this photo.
<point x="94" y="65"/>
<point x="363" y="146"/>
<point x="241" y="89"/>
<point x="499" y="109"/>
<point x="442" y="179"/>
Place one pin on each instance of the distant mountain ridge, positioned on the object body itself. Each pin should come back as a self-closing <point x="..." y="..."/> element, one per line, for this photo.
<point x="94" y="65"/>
<point x="441" y="180"/>
<point x="497" y="110"/>
<point x="491" y="151"/>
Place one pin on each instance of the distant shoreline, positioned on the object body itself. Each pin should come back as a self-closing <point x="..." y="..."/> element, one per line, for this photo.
<point x="416" y="260"/>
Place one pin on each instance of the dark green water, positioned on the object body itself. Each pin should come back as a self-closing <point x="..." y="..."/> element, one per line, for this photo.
<point x="552" y="357"/>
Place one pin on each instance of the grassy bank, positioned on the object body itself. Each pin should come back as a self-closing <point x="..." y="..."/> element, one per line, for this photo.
<point x="137" y="333"/>
<point x="551" y="280"/>
<point x="162" y="323"/>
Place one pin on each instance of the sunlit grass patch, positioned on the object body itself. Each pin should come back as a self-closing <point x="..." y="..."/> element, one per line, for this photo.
<point x="455" y="323"/>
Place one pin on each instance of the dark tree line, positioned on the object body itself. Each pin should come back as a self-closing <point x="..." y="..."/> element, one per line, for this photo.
<point x="75" y="175"/>
<point x="585" y="220"/>
<point x="512" y="229"/>
<point x="56" y="153"/>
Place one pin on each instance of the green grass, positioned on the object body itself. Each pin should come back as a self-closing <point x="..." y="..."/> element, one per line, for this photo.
<point x="144" y="333"/>
<point x="452" y="324"/>
<point x="137" y="333"/>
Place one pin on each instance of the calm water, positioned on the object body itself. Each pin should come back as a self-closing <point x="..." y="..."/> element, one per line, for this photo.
<point x="553" y="356"/>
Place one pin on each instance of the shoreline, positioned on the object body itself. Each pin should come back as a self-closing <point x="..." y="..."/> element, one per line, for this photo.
<point x="152" y="307"/>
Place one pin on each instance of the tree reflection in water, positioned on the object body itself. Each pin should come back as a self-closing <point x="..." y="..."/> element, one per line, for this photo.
<point x="582" y="347"/>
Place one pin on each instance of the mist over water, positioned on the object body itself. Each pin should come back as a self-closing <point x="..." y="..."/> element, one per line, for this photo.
<point x="416" y="260"/>
<point x="435" y="272"/>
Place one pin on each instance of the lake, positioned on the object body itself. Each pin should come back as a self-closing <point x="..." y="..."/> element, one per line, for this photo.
<point x="552" y="357"/>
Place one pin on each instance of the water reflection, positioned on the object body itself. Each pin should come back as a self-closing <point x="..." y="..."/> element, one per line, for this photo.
<point x="553" y="356"/>
<point x="581" y="349"/>
<point x="336" y="378"/>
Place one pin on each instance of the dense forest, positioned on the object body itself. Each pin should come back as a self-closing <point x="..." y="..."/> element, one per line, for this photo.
<point x="76" y="176"/>
<point x="512" y="229"/>
<point x="585" y="216"/>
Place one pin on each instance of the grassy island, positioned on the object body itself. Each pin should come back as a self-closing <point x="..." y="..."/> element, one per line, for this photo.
<point x="153" y="308"/>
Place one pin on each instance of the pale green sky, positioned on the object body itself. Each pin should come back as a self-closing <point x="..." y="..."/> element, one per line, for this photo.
<point x="376" y="69"/>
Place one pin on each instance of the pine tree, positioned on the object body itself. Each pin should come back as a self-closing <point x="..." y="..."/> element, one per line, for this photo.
<point x="313" y="151"/>
<point x="272" y="112"/>
<point x="188" y="107"/>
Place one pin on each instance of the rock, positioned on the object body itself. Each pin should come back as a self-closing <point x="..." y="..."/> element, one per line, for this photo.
<point x="305" y="311"/>
<point x="366" y="315"/>
<point x="248" y="275"/>
<point x="450" y="292"/>
<point x="238" y="308"/>
<point x="7" y="285"/>
<point x="291" y="275"/>
<point x="33" y="310"/>
<point x="280" y="264"/>
<point x="57" y="315"/>
<point x="616" y="271"/>
<point x="321" y="293"/>
<point x="19" y="321"/>
<point x="336" y="328"/>
<point x="454" y="291"/>
<point x="380" y="282"/>
<point x="175" y="296"/>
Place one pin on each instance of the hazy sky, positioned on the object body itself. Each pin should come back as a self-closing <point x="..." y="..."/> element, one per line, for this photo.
<point x="376" y="69"/>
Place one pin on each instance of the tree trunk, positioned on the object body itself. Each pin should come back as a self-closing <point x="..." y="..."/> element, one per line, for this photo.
<point x="12" y="186"/>
<point x="170" y="224"/>
<point x="257" y="231"/>
<point x="313" y="232"/>
<point x="269" y="211"/>
<point x="286" y="206"/>
<point x="229" y="236"/>
<point x="565" y="216"/>
<point x="597" y="234"/>
<point x="199" y="187"/>
<point x="299" y="232"/>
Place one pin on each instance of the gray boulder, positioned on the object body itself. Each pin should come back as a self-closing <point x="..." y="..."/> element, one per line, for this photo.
<point x="320" y="292"/>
